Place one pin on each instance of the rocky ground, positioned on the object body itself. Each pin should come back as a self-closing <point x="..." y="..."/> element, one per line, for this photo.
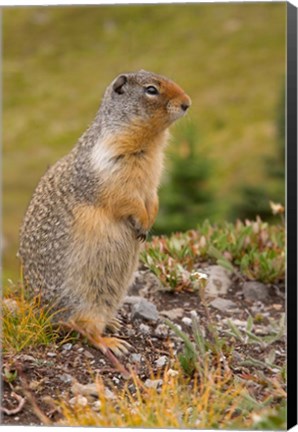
<point x="66" y="370"/>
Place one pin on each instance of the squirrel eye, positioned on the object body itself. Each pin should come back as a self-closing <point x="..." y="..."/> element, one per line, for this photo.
<point x="151" y="90"/>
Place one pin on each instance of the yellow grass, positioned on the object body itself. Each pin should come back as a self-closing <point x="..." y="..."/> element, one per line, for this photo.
<point x="209" y="401"/>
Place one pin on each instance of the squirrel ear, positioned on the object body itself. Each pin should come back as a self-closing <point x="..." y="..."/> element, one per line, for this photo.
<point x="119" y="83"/>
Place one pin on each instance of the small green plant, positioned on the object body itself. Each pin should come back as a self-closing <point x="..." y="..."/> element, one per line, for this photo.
<point x="8" y="375"/>
<point x="204" y="352"/>
<point x="206" y="342"/>
<point x="246" y="336"/>
<point x="253" y="249"/>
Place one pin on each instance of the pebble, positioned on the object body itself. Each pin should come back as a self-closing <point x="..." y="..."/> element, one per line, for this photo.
<point x="85" y="389"/>
<point x="172" y="373"/>
<point x="131" y="331"/>
<point x="109" y="394"/>
<point x="178" y="326"/>
<point x="162" y="330"/>
<point x="237" y="322"/>
<point x="96" y="405"/>
<point x="80" y="349"/>
<point x="136" y="358"/>
<point x="223" y="304"/>
<point x="80" y="400"/>
<point x="161" y="361"/>
<point x="144" y="282"/>
<point x="258" y="306"/>
<point x="187" y="321"/>
<point x="173" y="314"/>
<point x="254" y="291"/>
<point x="66" y="378"/>
<point x="145" y="329"/>
<point x="88" y="354"/>
<point x="51" y="354"/>
<point x="145" y="310"/>
<point x="153" y="383"/>
<point x="67" y="346"/>
<point x="219" y="281"/>
<point x="27" y="357"/>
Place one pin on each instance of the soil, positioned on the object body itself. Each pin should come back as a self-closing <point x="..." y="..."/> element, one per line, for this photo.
<point x="47" y="371"/>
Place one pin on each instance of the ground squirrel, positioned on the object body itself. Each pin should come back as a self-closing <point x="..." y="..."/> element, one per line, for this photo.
<point x="80" y="238"/>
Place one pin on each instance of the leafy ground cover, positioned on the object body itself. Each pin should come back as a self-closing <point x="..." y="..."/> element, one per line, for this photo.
<point x="198" y="361"/>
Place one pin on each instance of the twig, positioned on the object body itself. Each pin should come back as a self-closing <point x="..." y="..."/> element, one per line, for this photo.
<point x="16" y="410"/>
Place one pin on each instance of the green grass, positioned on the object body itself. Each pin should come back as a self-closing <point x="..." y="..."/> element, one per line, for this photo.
<point x="57" y="62"/>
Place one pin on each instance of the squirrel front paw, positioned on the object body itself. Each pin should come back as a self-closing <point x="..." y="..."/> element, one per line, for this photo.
<point x="140" y="232"/>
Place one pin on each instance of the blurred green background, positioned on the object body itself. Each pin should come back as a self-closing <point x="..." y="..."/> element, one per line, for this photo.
<point x="226" y="158"/>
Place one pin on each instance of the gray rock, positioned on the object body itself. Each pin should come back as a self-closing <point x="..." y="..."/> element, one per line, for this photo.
<point x="132" y="299"/>
<point x="187" y="321"/>
<point x="27" y="357"/>
<point x="161" y="361"/>
<point x="153" y="383"/>
<point x="96" y="406"/>
<point x="79" y="400"/>
<point x="223" y="304"/>
<point x="51" y="354"/>
<point x="109" y="394"/>
<point x="136" y="358"/>
<point x="173" y="313"/>
<point x="88" y="354"/>
<point x="144" y="282"/>
<point x="66" y="378"/>
<point x="144" y="329"/>
<point x="255" y="291"/>
<point x="162" y="330"/>
<point x="219" y="281"/>
<point x="67" y="346"/>
<point x="144" y="310"/>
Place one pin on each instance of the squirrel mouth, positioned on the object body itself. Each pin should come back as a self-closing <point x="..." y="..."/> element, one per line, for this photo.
<point x="176" y="112"/>
<point x="178" y="109"/>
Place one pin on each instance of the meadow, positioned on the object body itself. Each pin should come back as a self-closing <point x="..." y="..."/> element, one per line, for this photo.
<point x="57" y="61"/>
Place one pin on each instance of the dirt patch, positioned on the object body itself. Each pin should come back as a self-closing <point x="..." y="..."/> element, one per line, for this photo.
<point x="50" y="371"/>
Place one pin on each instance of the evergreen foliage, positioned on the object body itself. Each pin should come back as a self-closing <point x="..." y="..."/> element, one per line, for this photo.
<point x="255" y="200"/>
<point x="185" y="196"/>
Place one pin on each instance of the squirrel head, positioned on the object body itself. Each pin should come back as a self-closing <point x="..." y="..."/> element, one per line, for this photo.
<point x="143" y="98"/>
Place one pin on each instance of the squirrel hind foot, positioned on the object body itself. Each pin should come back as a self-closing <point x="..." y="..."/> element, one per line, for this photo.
<point x="109" y="346"/>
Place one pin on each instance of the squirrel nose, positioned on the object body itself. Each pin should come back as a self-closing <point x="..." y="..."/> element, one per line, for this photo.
<point x="185" y="106"/>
